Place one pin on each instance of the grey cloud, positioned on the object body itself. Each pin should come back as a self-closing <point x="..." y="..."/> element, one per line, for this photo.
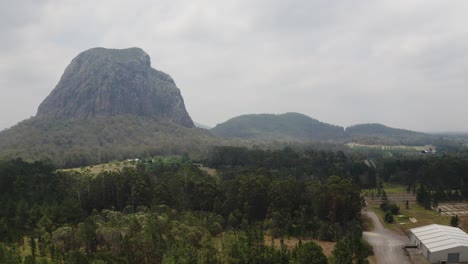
<point x="401" y="63"/>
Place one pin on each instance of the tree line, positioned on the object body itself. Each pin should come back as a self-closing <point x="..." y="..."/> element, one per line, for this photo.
<point x="166" y="212"/>
<point x="433" y="179"/>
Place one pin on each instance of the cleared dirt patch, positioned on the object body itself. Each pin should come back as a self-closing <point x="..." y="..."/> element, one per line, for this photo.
<point x="292" y="242"/>
<point x="451" y="209"/>
<point x="96" y="169"/>
<point x="210" y="171"/>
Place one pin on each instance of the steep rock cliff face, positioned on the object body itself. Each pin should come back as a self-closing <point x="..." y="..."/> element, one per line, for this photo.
<point x="110" y="82"/>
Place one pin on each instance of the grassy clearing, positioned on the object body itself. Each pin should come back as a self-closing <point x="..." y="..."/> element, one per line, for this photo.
<point x="210" y="171"/>
<point x="402" y="148"/>
<point x="388" y="151"/>
<point x="390" y="188"/>
<point x="422" y="216"/>
<point x="96" y="169"/>
<point x="394" y="188"/>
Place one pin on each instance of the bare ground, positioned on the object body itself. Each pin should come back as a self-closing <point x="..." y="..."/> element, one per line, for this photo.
<point x="388" y="244"/>
<point x="292" y="242"/>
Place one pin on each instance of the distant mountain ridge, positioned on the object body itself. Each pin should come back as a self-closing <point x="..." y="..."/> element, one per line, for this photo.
<point x="300" y="127"/>
<point x="288" y="126"/>
<point x="380" y="134"/>
<point x="375" y="129"/>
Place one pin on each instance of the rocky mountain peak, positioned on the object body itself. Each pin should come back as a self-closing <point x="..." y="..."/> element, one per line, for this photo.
<point x="108" y="82"/>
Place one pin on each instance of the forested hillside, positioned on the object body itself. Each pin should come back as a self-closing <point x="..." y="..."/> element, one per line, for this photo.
<point x="172" y="212"/>
<point x="289" y="126"/>
<point x="78" y="142"/>
<point x="380" y="134"/>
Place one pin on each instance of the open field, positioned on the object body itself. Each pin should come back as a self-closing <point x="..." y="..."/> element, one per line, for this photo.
<point x="422" y="216"/>
<point x="210" y="171"/>
<point x="451" y="209"/>
<point x="394" y="188"/>
<point x="388" y="151"/>
<point x="96" y="169"/>
<point x="398" y="198"/>
<point x="397" y="194"/>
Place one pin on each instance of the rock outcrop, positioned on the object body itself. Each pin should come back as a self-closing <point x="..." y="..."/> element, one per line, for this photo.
<point x="110" y="82"/>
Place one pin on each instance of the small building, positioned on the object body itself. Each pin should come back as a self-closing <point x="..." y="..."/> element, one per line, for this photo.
<point x="440" y="243"/>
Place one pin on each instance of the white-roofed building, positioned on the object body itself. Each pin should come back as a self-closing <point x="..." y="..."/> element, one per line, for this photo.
<point x="441" y="243"/>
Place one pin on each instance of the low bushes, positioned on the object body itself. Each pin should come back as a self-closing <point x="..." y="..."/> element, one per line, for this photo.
<point x="390" y="209"/>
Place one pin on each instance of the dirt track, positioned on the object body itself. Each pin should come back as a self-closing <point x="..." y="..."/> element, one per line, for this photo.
<point x="388" y="245"/>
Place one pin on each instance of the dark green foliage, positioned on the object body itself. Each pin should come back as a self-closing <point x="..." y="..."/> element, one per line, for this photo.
<point x="342" y="253"/>
<point x="76" y="257"/>
<point x="434" y="179"/>
<point x="351" y="249"/>
<point x="88" y="235"/>
<point x="168" y="210"/>
<point x="308" y="253"/>
<point x="8" y="256"/>
<point x="289" y="162"/>
<point x="424" y="197"/>
<point x="454" y="221"/>
<point x="388" y="217"/>
<point x="390" y="207"/>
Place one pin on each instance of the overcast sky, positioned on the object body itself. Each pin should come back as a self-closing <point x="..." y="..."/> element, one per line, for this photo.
<point x="400" y="63"/>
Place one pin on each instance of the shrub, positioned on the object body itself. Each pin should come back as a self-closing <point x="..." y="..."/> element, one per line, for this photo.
<point x="454" y="221"/>
<point x="388" y="217"/>
<point x="384" y="206"/>
<point x="392" y="207"/>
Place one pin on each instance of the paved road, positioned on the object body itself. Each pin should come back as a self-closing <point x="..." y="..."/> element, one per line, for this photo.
<point x="387" y="244"/>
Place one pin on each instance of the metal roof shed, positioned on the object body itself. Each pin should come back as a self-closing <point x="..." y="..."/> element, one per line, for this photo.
<point x="438" y="242"/>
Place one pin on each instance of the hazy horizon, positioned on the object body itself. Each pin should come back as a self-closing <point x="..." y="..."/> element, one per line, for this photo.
<point x="398" y="63"/>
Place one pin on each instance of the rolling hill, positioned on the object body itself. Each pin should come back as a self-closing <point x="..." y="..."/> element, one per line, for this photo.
<point x="381" y="134"/>
<point x="288" y="126"/>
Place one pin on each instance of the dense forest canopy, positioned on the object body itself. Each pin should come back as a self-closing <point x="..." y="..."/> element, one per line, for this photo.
<point x="173" y="212"/>
<point x="170" y="210"/>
